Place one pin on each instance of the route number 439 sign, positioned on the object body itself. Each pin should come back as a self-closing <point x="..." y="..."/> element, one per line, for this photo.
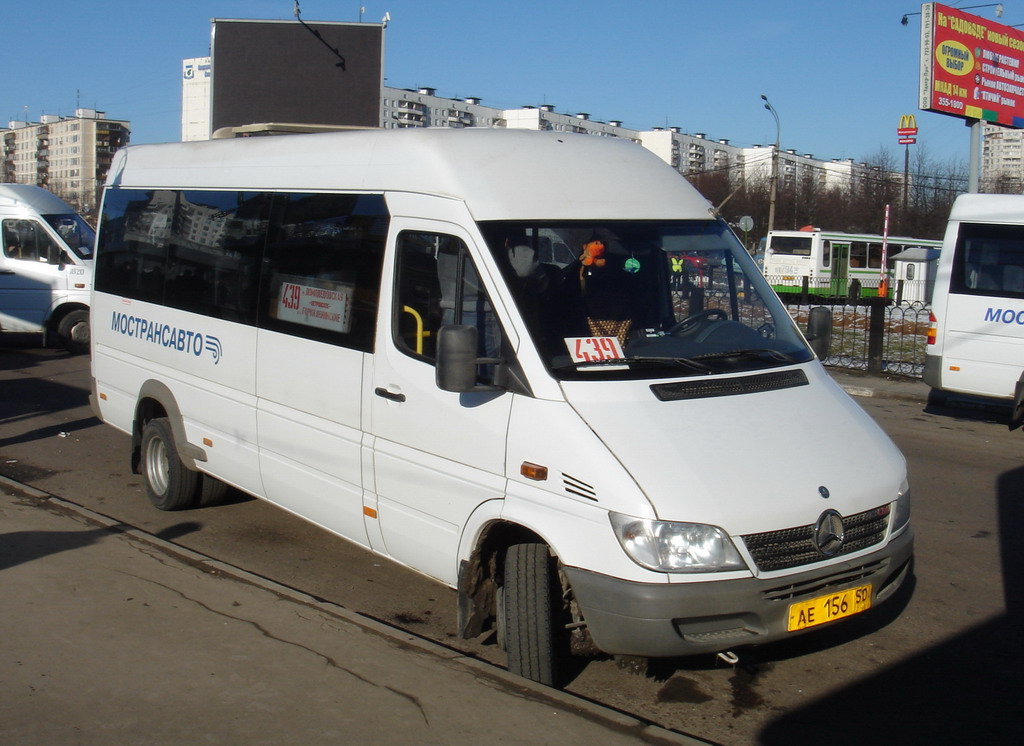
<point x="594" y="349"/>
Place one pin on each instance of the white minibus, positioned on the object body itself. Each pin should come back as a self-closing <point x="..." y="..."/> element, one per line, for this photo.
<point x="976" y="340"/>
<point x="45" y="265"/>
<point x="468" y="351"/>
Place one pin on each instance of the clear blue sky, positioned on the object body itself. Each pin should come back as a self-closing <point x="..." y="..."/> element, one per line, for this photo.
<point x="839" y="74"/>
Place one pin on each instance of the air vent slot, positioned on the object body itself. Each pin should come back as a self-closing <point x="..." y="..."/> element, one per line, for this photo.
<point x="706" y="388"/>
<point x="578" y="487"/>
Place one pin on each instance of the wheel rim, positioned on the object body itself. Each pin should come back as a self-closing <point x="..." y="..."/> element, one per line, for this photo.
<point x="80" y="333"/>
<point x="157" y="466"/>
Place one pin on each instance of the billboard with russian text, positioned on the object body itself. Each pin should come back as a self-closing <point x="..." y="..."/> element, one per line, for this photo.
<point x="971" y="67"/>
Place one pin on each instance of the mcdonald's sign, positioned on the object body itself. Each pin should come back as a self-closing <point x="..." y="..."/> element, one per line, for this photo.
<point x="907" y="130"/>
<point x="908" y="126"/>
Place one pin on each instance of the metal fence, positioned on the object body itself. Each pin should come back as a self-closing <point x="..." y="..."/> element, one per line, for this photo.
<point x="887" y="334"/>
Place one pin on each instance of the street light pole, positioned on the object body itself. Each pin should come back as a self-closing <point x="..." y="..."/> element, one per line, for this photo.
<point x="775" y="164"/>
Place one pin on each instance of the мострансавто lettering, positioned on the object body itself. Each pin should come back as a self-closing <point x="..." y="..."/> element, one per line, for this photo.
<point x="165" y="335"/>
<point x="1005" y="316"/>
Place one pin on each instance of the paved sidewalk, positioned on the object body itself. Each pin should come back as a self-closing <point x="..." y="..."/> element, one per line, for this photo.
<point x="109" y="635"/>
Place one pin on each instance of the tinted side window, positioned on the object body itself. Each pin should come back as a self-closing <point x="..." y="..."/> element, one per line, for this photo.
<point x="989" y="260"/>
<point x="321" y="276"/>
<point x="195" y="251"/>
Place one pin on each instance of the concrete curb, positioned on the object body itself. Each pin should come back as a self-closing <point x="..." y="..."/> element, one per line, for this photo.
<point x="615" y="720"/>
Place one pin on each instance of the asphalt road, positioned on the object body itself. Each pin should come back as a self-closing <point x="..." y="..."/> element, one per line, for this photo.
<point x="941" y="664"/>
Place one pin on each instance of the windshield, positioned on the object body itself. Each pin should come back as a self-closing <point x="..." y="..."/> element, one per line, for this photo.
<point x="77" y="234"/>
<point x="640" y="299"/>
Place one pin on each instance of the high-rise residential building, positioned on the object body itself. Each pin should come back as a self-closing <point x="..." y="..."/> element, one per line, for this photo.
<point x="69" y="156"/>
<point x="1002" y="160"/>
<point x="690" y="154"/>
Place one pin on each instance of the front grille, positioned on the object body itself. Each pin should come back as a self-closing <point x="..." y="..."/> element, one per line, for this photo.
<point x="822" y="584"/>
<point x="793" y="547"/>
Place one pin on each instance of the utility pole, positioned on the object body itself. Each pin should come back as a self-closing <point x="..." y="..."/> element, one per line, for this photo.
<point x="774" y="181"/>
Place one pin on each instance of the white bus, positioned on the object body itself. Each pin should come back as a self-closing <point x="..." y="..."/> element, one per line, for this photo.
<point x="976" y="342"/>
<point x="836" y="264"/>
<point x="45" y="265"/>
<point x="468" y="352"/>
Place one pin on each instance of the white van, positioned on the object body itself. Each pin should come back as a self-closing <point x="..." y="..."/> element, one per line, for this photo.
<point x="976" y="341"/>
<point x="45" y="265"/>
<point x="596" y="452"/>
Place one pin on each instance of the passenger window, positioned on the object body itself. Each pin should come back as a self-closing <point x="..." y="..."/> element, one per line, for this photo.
<point x="437" y="284"/>
<point x="28" y="240"/>
<point x="858" y="254"/>
<point x="195" y="251"/>
<point x="323" y="265"/>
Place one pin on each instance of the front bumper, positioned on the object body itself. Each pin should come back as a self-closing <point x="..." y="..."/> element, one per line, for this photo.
<point x="673" y="619"/>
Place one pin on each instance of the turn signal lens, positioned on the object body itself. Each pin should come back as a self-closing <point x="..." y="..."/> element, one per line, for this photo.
<point x="536" y="472"/>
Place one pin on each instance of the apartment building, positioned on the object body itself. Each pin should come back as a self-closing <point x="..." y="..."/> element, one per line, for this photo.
<point x="69" y="156"/>
<point x="1002" y="160"/>
<point x="688" y="153"/>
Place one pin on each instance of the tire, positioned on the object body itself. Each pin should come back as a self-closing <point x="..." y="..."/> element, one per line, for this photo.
<point x="169" y="485"/>
<point x="211" y="491"/>
<point x="529" y="609"/>
<point x="73" y="331"/>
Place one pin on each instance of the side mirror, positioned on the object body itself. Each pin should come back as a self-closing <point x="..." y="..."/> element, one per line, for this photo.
<point x="456" y="365"/>
<point x="819" y="331"/>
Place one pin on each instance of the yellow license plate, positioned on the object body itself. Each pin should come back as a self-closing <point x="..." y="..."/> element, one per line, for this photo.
<point x="829" y="608"/>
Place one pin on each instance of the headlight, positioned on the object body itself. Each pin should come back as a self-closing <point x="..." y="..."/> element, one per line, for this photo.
<point x="675" y="547"/>
<point x="901" y="515"/>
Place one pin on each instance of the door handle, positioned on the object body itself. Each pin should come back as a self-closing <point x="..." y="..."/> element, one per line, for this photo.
<point x="6" y="271"/>
<point x="384" y="393"/>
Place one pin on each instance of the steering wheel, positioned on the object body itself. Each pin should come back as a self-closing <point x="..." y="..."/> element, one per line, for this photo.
<point x="690" y="322"/>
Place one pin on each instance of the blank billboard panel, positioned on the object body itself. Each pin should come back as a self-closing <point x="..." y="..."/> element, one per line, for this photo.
<point x="287" y="71"/>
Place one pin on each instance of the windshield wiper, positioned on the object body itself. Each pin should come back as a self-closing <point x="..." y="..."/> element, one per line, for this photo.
<point x="644" y="362"/>
<point x="760" y="353"/>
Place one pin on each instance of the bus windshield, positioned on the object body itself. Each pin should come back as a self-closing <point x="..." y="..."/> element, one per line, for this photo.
<point x="77" y="234"/>
<point x="796" y="245"/>
<point x="639" y="299"/>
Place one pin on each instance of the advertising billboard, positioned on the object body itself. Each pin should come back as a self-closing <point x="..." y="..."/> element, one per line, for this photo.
<point x="296" y="72"/>
<point x="971" y="67"/>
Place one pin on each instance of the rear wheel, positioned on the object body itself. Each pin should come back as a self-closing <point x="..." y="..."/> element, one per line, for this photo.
<point x="529" y="607"/>
<point x="169" y="485"/>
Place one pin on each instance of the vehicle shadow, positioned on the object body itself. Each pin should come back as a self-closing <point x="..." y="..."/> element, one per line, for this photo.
<point x="26" y="397"/>
<point x="63" y="430"/>
<point x="964" y="407"/>
<point x="964" y="690"/>
<point x="20" y="547"/>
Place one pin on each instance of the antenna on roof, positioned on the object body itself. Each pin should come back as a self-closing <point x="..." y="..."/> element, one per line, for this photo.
<point x="314" y="32"/>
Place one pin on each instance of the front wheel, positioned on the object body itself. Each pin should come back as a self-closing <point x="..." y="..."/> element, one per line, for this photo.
<point x="73" y="331"/>
<point x="529" y="607"/>
<point x="169" y="485"/>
